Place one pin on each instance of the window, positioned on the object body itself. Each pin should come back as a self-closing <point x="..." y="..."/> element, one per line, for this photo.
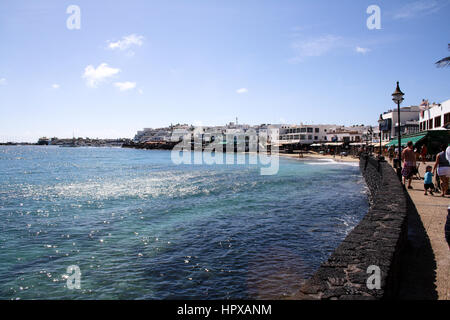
<point x="310" y="137"/>
<point x="316" y="138"/>
<point x="310" y="130"/>
<point x="303" y="130"/>
<point x="302" y="137"/>
<point x="317" y="130"/>
<point x="446" y="119"/>
<point x="437" y="122"/>
<point x="430" y="124"/>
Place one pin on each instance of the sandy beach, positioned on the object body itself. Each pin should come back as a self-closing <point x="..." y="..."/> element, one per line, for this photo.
<point x="317" y="156"/>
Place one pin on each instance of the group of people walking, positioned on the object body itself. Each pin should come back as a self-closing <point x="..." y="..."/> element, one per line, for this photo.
<point x="441" y="169"/>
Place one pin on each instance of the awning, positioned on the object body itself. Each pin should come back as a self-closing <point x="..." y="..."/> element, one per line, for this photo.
<point x="334" y="144"/>
<point x="316" y="145"/>
<point x="405" y="141"/>
<point x="377" y="144"/>
<point x="358" y="144"/>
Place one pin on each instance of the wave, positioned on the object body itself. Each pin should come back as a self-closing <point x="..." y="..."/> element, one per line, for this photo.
<point x="322" y="162"/>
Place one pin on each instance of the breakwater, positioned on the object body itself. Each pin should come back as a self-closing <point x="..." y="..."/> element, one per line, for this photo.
<point x="163" y="145"/>
<point x="377" y="242"/>
<point x="232" y="147"/>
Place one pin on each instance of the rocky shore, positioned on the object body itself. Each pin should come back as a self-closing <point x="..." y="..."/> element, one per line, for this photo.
<point x="150" y="145"/>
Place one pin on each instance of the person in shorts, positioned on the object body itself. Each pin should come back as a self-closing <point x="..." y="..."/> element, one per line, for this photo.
<point x="428" y="183"/>
<point x="443" y="169"/>
<point x="409" y="166"/>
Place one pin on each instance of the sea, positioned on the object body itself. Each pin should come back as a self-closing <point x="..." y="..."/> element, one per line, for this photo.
<point x="132" y="224"/>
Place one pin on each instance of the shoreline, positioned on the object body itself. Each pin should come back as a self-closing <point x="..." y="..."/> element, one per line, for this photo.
<point x="309" y="156"/>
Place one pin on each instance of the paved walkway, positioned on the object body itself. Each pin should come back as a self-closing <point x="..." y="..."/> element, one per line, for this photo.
<point x="432" y="218"/>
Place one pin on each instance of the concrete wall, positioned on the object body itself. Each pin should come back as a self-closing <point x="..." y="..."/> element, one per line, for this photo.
<point x="378" y="240"/>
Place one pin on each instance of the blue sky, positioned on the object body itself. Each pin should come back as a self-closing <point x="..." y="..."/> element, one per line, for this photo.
<point x="136" y="64"/>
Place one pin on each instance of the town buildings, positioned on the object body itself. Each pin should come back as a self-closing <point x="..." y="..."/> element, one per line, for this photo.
<point x="424" y="125"/>
<point x="413" y="120"/>
<point x="435" y="117"/>
<point x="289" y="136"/>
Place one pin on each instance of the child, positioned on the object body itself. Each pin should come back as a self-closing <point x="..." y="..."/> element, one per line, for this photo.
<point x="428" y="183"/>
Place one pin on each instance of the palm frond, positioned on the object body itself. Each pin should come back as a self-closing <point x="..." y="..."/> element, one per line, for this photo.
<point x="443" y="62"/>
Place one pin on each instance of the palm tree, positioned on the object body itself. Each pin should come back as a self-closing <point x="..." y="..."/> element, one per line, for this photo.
<point x="444" y="62"/>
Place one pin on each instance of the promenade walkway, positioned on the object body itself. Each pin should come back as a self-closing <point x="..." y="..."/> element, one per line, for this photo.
<point x="427" y="267"/>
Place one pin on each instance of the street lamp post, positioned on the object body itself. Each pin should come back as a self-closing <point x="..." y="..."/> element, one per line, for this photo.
<point x="380" y="121"/>
<point x="368" y="136"/>
<point x="397" y="97"/>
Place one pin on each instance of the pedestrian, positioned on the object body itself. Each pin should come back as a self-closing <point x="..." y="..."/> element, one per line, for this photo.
<point x="423" y="153"/>
<point x="438" y="183"/>
<point x="409" y="166"/>
<point x="447" y="153"/>
<point x="443" y="169"/>
<point x="447" y="228"/>
<point x="428" y="182"/>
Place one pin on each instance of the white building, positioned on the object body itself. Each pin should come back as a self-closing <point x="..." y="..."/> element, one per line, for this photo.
<point x="409" y="118"/>
<point x="305" y="134"/>
<point x="435" y="117"/>
<point x="345" y="136"/>
<point x="322" y="134"/>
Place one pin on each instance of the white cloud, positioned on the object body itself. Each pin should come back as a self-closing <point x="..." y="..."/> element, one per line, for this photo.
<point x="3" y="82"/>
<point x="55" y="86"/>
<point x="362" y="50"/>
<point x="420" y="8"/>
<point x="94" y="76"/>
<point x="141" y="91"/>
<point x="124" y="86"/>
<point x="126" y="42"/>
<point x="242" y="90"/>
<point x="315" y="47"/>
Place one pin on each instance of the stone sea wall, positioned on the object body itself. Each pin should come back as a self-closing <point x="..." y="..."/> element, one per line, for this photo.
<point x="378" y="240"/>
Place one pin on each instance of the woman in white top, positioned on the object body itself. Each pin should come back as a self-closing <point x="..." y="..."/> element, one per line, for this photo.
<point x="443" y="169"/>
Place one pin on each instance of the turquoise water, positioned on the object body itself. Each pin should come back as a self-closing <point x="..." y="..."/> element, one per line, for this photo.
<point x="140" y="227"/>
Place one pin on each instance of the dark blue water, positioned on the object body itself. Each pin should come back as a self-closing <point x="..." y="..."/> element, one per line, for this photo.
<point x="140" y="227"/>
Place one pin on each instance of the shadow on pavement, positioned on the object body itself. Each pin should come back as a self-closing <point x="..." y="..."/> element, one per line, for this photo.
<point x="418" y="264"/>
